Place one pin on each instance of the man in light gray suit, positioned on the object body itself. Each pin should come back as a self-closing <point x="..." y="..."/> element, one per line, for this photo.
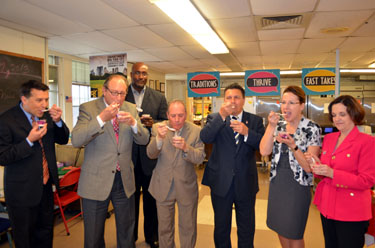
<point x="174" y="178"/>
<point x="107" y="127"/>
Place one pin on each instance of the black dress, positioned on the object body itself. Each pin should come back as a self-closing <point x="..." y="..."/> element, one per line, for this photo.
<point x="288" y="201"/>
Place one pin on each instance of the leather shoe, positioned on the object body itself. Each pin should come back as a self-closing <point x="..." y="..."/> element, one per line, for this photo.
<point x="154" y="244"/>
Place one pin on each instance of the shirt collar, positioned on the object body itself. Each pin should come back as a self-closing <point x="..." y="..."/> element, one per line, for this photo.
<point x="28" y="115"/>
<point x="135" y="92"/>
<point x="239" y="117"/>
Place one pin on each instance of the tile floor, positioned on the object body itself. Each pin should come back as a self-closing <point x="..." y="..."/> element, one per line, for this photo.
<point x="264" y="238"/>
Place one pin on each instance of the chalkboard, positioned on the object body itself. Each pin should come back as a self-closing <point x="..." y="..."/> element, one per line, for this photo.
<point x="15" y="69"/>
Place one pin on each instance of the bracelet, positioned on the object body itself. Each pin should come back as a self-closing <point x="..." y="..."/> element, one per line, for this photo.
<point x="295" y="148"/>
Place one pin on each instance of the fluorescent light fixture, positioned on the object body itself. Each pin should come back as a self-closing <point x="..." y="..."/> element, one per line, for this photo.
<point x="187" y="17"/>
<point x="372" y="65"/>
<point x="290" y="72"/>
<point x="358" y="70"/>
<point x="228" y="74"/>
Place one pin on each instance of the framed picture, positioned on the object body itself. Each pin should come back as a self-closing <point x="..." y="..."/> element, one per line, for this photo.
<point x="157" y="85"/>
<point x="162" y="87"/>
<point x="151" y="84"/>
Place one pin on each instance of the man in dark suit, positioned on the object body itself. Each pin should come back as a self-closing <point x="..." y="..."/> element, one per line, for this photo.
<point x="27" y="150"/>
<point x="152" y="107"/>
<point x="231" y="171"/>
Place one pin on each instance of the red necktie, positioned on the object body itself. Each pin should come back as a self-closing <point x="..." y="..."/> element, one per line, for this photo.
<point x="45" y="164"/>
<point x="116" y="129"/>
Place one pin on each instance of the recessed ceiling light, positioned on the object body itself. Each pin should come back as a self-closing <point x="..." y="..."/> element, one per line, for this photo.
<point x="334" y="30"/>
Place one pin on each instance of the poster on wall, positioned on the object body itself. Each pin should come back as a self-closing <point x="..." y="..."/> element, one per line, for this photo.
<point x="262" y="83"/>
<point x="102" y="66"/>
<point x="201" y="84"/>
<point x="318" y="81"/>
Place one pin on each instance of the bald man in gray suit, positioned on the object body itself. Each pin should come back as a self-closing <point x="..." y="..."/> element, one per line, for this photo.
<point x="174" y="179"/>
<point x="107" y="128"/>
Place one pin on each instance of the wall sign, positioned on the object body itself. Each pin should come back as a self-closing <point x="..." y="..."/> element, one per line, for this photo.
<point x="202" y="84"/>
<point x="318" y="81"/>
<point x="262" y="83"/>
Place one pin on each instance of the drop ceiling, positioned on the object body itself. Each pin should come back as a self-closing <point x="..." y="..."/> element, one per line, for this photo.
<point x="137" y="27"/>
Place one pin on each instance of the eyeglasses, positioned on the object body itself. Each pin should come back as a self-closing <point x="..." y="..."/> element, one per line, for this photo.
<point x="115" y="93"/>
<point x="143" y="73"/>
<point x="289" y="103"/>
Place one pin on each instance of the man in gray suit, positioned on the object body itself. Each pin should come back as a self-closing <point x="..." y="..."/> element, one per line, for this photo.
<point x="107" y="127"/>
<point x="174" y="178"/>
<point x="152" y="107"/>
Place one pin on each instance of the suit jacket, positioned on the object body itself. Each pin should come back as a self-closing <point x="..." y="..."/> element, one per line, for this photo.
<point x="229" y="161"/>
<point x="102" y="151"/>
<point x="176" y="166"/>
<point x="347" y="196"/>
<point x="23" y="175"/>
<point x="154" y="104"/>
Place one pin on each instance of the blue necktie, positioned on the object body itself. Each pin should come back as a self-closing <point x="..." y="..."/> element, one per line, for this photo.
<point x="236" y="134"/>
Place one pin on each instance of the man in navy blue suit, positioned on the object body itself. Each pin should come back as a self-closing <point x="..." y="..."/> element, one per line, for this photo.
<point x="231" y="171"/>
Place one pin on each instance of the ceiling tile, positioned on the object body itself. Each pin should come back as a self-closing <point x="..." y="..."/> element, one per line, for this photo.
<point x="88" y="12"/>
<point x="197" y="51"/>
<point x="213" y="62"/>
<point x="140" y="37"/>
<point x="141" y="11"/>
<point x="215" y="9"/>
<point x="349" y="19"/>
<point x="101" y="41"/>
<point x="60" y="44"/>
<point x="285" y="7"/>
<point x="279" y="47"/>
<point x="319" y="45"/>
<point x="235" y="29"/>
<point x="189" y="63"/>
<point x="169" y="53"/>
<point x="281" y="34"/>
<point x="358" y="44"/>
<point x="173" y="33"/>
<point x="250" y="61"/>
<point x="365" y="59"/>
<point x="337" y="5"/>
<point x="141" y="55"/>
<point x="244" y="48"/>
<point x="23" y="13"/>
<point x="278" y="61"/>
<point x="307" y="60"/>
<point x="367" y="28"/>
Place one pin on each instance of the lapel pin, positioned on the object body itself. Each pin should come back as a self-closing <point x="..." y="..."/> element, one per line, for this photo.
<point x="246" y="122"/>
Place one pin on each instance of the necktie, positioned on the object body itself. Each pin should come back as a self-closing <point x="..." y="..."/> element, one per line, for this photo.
<point x="236" y="134"/>
<point x="45" y="163"/>
<point x="116" y="129"/>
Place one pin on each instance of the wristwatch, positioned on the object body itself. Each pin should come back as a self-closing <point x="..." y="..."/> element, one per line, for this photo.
<point x="295" y="148"/>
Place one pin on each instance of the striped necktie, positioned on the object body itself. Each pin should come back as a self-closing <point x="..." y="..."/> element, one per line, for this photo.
<point x="45" y="163"/>
<point x="116" y="129"/>
<point x="236" y="134"/>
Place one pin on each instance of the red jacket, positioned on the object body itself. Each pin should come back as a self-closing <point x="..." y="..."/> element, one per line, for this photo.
<point x="347" y="196"/>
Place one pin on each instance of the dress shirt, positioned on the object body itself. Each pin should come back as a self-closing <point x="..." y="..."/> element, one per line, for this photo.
<point x="138" y="96"/>
<point x="239" y="118"/>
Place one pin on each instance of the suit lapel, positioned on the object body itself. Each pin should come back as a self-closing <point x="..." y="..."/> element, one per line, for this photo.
<point x="146" y="100"/>
<point x="130" y="96"/>
<point x="348" y="141"/>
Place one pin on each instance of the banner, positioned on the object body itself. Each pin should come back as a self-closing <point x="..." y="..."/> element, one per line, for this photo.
<point x="102" y="66"/>
<point x="318" y="81"/>
<point x="202" y="84"/>
<point x="262" y="83"/>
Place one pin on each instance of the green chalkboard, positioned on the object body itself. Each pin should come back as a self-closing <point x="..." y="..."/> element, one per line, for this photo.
<point x="15" y="69"/>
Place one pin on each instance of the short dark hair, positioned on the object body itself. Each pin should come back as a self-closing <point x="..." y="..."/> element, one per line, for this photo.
<point x="354" y="109"/>
<point x="25" y="89"/>
<point x="297" y="91"/>
<point x="112" y="76"/>
<point x="233" y="87"/>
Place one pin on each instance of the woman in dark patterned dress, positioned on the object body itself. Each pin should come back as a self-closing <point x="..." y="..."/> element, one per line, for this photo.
<point x="288" y="136"/>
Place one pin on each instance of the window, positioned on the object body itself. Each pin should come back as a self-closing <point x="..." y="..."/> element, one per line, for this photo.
<point x="80" y="86"/>
<point x="53" y="82"/>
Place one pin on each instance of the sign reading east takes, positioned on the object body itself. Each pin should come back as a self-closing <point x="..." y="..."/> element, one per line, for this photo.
<point x="318" y="81"/>
<point x="262" y="83"/>
<point x="203" y="84"/>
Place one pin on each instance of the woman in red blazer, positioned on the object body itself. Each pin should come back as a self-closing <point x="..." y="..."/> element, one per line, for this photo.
<point x="347" y="171"/>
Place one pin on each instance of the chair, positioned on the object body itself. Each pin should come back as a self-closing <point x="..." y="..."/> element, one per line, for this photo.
<point x="68" y="194"/>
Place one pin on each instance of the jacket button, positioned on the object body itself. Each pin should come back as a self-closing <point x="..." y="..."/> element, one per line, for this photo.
<point x="333" y="157"/>
<point x="337" y="185"/>
<point x="348" y="155"/>
<point x="351" y="194"/>
<point x="113" y="171"/>
<point x="118" y="154"/>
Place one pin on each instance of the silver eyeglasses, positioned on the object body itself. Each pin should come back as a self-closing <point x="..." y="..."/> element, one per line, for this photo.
<point x="115" y="93"/>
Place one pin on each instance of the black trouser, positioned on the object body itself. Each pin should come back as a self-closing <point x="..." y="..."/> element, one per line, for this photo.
<point x="344" y="234"/>
<point x="33" y="226"/>
<point x="150" y="225"/>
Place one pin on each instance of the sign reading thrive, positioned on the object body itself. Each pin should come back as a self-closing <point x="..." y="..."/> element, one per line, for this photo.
<point x="262" y="83"/>
<point x="202" y="84"/>
<point x="318" y="81"/>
